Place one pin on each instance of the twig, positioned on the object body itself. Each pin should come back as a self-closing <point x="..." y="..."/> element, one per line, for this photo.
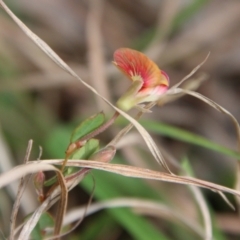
<point x="21" y="188"/>
<point x="81" y="142"/>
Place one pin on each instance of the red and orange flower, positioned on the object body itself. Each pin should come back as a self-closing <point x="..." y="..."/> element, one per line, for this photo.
<point x="149" y="82"/>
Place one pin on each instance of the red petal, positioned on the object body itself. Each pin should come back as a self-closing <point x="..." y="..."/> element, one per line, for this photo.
<point x="164" y="75"/>
<point x="137" y="66"/>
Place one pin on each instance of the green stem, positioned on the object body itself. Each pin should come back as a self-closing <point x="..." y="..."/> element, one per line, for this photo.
<point x="101" y="129"/>
<point x="79" y="143"/>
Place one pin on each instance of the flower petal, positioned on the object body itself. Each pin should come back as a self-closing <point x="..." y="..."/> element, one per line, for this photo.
<point x="151" y="94"/>
<point x="137" y="66"/>
<point x="164" y="75"/>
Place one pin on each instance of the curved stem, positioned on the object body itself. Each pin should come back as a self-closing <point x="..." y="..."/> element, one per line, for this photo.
<point x="125" y="130"/>
<point x="81" y="142"/>
<point x="101" y="129"/>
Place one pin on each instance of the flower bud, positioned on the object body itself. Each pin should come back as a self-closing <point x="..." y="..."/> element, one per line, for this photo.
<point x="104" y="155"/>
<point x="38" y="181"/>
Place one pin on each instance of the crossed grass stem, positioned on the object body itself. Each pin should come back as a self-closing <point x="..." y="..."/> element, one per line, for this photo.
<point x="72" y="147"/>
<point x="110" y="146"/>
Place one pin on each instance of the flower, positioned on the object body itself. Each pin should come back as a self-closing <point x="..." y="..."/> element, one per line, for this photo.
<point x="149" y="82"/>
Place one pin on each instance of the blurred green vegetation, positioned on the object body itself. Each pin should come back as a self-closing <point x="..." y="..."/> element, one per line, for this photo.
<point x="24" y="115"/>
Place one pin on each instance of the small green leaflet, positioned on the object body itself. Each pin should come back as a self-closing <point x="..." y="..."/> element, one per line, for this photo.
<point x="45" y="221"/>
<point x="83" y="153"/>
<point x="87" y="150"/>
<point x="87" y="126"/>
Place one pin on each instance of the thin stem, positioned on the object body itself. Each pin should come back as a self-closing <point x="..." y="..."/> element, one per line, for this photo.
<point x="101" y="129"/>
<point x="81" y="142"/>
<point x="21" y="188"/>
<point x="65" y="161"/>
<point x="125" y="130"/>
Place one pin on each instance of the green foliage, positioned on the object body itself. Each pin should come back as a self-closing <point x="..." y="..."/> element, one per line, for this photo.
<point x="57" y="141"/>
<point x="188" y="137"/>
<point x="178" y="21"/>
<point x="117" y="186"/>
<point x="101" y="226"/>
<point x="24" y="117"/>
<point x="176" y="133"/>
<point x="217" y="233"/>
<point x="20" y="121"/>
<point x="87" y="150"/>
<point x="45" y="221"/>
<point x="83" y="153"/>
<point x="186" y="13"/>
<point x="87" y="126"/>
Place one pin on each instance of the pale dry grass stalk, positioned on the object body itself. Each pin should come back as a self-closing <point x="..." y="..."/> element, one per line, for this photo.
<point x="168" y="9"/>
<point x="24" y="180"/>
<point x="123" y="170"/>
<point x="40" y="43"/>
<point x="61" y="191"/>
<point x="144" y="207"/>
<point x="131" y="171"/>
<point x="204" y="212"/>
<point x="96" y="60"/>
<point x="23" y="170"/>
<point x="195" y="37"/>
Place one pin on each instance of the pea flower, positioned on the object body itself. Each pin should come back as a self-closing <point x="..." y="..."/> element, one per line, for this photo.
<point x="148" y="81"/>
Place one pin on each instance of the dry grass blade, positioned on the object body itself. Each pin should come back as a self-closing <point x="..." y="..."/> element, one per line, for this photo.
<point x="31" y="223"/>
<point x="194" y="84"/>
<point x="7" y="163"/>
<point x="215" y="106"/>
<point x="226" y="200"/>
<point x="155" y="151"/>
<point x="125" y="130"/>
<point x="52" y="198"/>
<point x="191" y="73"/>
<point x="21" y="188"/>
<point x="40" y="43"/>
<point x="62" y="205"/>
<point x="96" y="52"/>
<point x="131" y="171"/>
<point x="33" y="220"/>
<point x="237" y="183"/>
<point x="204" y="211"/>
<point x="172" y="94"/>
<point x="80" y="218"/>
<point x="142" y="206"/>
<point x="22" y="170"/>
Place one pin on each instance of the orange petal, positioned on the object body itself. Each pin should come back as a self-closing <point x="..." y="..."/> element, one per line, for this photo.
<point x="137" y="66"/>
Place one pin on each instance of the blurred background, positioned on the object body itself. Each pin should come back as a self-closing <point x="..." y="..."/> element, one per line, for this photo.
<point x="40" y="101"/>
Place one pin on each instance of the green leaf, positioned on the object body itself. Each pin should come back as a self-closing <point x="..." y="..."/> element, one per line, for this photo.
<point x="187" y="167"/>
<point x="53" y="180"/>
<point x="57" y="141"/>
<point x="182" y="17"/>
<point x="87" y="126"/>
<point x="87" y="150"/>
<point x="44" y="222"/>
<point x="188" y="12"/>
<point x="83" y="153"/>
<point x="185" y="136"/>
<point x="99" y="228"/>
<point x="110" y="186"/>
